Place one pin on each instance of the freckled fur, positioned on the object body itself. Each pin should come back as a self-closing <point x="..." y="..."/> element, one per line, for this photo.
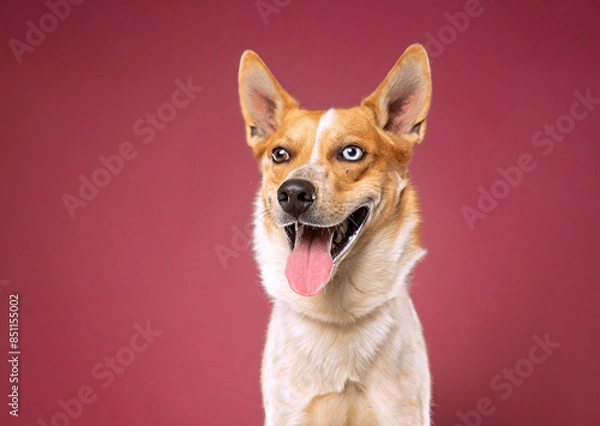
<point x="354" y="354"/>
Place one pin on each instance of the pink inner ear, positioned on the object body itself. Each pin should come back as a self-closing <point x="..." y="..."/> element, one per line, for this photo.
<point x="263" y="110"/>
<point x="401" y="113"/>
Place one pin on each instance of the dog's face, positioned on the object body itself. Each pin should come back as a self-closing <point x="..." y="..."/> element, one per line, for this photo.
<point x="330" y="178"/>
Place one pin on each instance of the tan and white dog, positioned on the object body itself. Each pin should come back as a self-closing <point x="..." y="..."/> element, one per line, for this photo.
<point x="335" y="238"/>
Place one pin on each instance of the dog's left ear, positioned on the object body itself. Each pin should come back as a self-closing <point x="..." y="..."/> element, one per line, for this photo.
<point x="263" y="100"/>
<point x="401" y="102"/>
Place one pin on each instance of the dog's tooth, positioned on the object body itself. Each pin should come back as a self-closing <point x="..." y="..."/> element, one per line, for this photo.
<point x="344" y="227"/>
<point x="338" y="237"/>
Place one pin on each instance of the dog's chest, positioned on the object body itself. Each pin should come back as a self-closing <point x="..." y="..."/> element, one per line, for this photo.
<point x="324" y="358"/>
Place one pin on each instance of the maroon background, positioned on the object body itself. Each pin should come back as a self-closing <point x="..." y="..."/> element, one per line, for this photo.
<point x="145" y="247"/>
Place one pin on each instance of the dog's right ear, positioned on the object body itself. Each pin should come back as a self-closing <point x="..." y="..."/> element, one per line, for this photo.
<point x="262" y="99"/>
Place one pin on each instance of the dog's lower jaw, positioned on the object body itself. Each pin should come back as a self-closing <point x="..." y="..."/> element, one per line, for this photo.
<point x="353" y="291"/>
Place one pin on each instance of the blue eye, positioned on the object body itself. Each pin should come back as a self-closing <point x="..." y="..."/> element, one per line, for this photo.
<point x="352" y="153"/>
<point x="280" y="155"/>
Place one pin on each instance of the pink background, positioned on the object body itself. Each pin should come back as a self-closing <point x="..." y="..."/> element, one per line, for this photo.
<point x="145" y="248"/>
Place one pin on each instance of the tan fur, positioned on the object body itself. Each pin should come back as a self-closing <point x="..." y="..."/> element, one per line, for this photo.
<point x="353" y="354"/>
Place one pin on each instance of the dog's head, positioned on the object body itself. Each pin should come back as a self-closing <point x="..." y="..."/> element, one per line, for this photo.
<point x="333" y="181"/>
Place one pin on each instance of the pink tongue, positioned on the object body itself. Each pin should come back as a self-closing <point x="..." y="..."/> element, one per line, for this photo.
<point x="309" y="264"/>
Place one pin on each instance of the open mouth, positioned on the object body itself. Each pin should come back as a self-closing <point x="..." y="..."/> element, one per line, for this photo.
<point x="314" y="251"/>
<point x="342" y="235"/>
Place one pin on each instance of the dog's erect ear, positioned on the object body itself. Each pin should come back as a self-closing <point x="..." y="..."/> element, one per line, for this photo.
<point x="262" y="98"/>
<point x="402" y="101"/>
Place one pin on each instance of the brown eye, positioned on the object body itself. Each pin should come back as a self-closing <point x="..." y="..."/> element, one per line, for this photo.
<point x="280" y="155"/>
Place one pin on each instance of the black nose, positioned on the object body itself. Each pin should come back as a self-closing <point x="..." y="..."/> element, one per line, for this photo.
<point x="295" y="196"/>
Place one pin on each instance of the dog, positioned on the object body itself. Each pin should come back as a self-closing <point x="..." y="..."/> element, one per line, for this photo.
<point x="335" y="236"/>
